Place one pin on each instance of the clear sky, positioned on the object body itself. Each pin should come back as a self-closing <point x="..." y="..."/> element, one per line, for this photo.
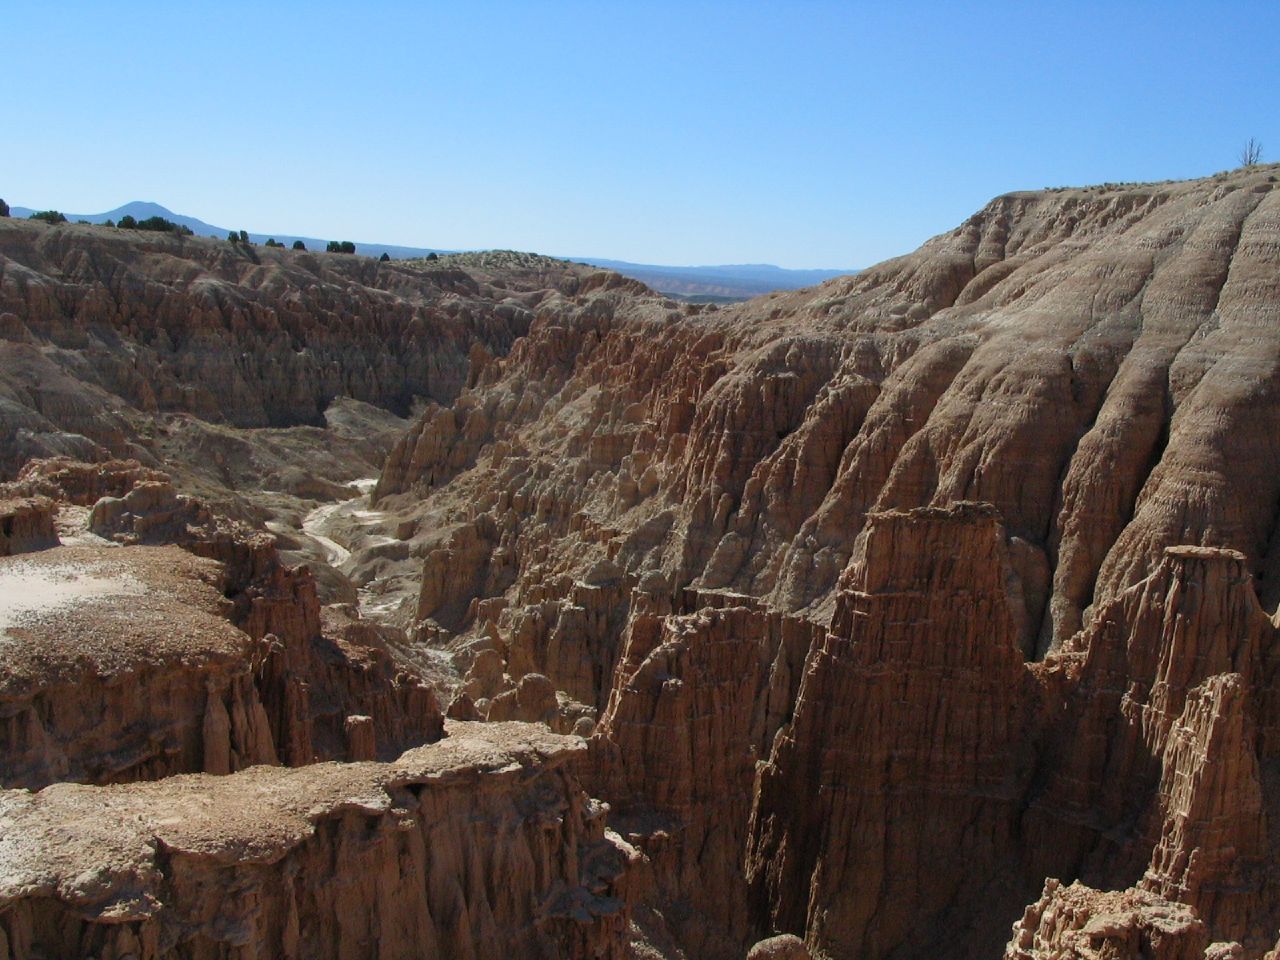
<point x="806" y="134"/>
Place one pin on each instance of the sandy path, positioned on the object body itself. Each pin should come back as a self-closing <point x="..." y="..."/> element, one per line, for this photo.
<point x="317" y="524"/>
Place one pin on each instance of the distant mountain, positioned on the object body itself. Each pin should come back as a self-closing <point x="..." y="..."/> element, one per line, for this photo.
<point x="739" y="281"/>
<point x="141" y="209"/>
<point x="725" y="282"/>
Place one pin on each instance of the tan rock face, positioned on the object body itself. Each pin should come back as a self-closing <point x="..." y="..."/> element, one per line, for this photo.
<point x="1034" y="685"/>
<point x="906" y="738"/>
<point x="26" y="524"/>
<point x="894" y="598"/>
<point x="479" y="846"/>
<point x="1077" y="923"/>
<point x="146" y="661"/>
<point x="255" y="336"/>
<point x="785" y="946"/>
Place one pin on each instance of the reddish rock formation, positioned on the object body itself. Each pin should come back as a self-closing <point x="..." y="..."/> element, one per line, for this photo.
<point x="84" y="484"/>
<point x="168" y="684"/>
<point x="120" y="665"/>
<point x="906" y="739"/>
<point x="1152" y="773"/>
<point x="251" y="336"/>
<point x="1096" y="365"/>
<point x="894" y="597"/>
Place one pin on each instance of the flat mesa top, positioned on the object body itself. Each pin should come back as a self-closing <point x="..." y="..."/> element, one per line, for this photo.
<point x="104" y="610"/>
<point x="98" y="847"/>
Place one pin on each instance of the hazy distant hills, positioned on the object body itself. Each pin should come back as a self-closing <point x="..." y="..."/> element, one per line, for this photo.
<point x="726" y="281"/>
<point x="722" y="282"/>
<point x="140" y="210"/>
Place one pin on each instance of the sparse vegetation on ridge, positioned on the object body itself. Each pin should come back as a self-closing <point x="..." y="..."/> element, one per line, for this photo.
<point x="1251" y="153"/>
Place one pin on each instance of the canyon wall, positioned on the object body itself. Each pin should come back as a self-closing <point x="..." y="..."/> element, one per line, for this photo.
<point x="100" y="327"/>
<point x="929" y="611"/>
<point x="1020" y="488"/>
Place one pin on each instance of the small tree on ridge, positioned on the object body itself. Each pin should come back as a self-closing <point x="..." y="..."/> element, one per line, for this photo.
<point x="1251" y="153"/>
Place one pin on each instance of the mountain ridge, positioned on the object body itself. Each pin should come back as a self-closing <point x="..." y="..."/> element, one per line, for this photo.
<point x="728" y="282"/>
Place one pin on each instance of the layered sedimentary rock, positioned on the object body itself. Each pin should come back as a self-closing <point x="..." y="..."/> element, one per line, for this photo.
<point x="480" y="846"/>
<point x="120" y="665"/>
<point x="1035" y="684"/>
<point x="1154" y="772"/>
<point x="26" y="524"/>
<point x="894" y="599"/>
<point x="1079" y="358"/>
<point x="255" y="336"/>
<point x="146" y="661"/>
<point x="696" y="702"/>
<point x="906" y="740"/>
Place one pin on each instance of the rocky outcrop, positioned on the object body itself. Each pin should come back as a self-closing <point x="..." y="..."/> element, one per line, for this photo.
<point x="26" y="524"/>
<point x="974" y="552"/>
<point x="210" y="658"/>
<point x="256" y="336"/>
<point x="1057" y="355"/>
<point x="785" y="946"/>
<point x="84" y="484"/>
<point x="479" y="846"/>
<point x="1077" y="923"/>
<point x="1153" y="772"/>
<point x="120" y="665"/>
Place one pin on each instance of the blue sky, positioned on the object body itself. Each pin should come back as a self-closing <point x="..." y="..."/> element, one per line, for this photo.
<point x="806" y="134"/>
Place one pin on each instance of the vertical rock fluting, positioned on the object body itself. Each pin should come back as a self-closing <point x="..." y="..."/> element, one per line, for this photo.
<point x="246" y="335"/>
<point x="482" y="846"/>
<point x="222" y="664"/>
<point x="1153" y="773"/>
<point x="124" y="669"/>
<point x="696" y="701"/>
<point x="906" y="741"/>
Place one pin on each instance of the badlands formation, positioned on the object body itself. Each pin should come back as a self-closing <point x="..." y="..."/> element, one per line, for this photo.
<point x="496" y="606"/>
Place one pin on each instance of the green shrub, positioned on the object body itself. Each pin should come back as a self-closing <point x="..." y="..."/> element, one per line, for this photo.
<point x="385" y="256"/>
<point x="48" y="216"/>
<point x="161" y="225"/>
<point x="299" y="245"/>
<point x="128" y="223"/>
<point x="4" y="209"/>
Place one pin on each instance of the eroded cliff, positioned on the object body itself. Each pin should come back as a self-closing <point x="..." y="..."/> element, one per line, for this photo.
<point x="1020" y="489"/>
<point x="927" y="612"/>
